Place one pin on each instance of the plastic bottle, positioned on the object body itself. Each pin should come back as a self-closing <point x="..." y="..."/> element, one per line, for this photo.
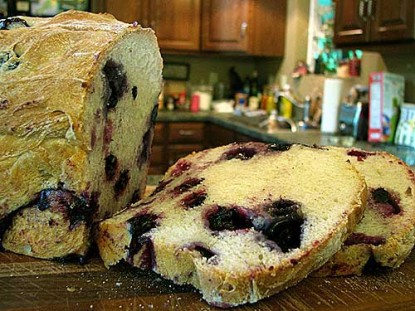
<point x="270" y="104"/>
<point x="285" y="105"/>
<point x="254" y="92"/>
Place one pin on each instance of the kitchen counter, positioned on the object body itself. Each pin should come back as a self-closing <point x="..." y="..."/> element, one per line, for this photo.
<point x="34" y="284"/>
<point x="250" y="126"/>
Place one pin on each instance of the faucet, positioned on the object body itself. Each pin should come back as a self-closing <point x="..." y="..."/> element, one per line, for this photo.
<point x="303" y="121"/>
<point x="273" y="121"/>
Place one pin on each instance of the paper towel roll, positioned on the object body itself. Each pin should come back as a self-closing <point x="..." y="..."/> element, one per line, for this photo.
<point x="331" y="102"/>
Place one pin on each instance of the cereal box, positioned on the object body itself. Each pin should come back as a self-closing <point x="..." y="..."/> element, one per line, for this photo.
<point x="386" y="95"/>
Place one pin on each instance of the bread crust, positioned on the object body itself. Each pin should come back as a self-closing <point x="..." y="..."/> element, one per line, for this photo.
<point x="57" y="129"/>
<point x="186" y="260"/>
<point x="381" y="170"/>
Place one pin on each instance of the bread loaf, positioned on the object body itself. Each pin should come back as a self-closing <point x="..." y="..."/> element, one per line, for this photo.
<point x="385" y="236"/>
<point x="240" y="222"/>
<point x="78" y="95"/>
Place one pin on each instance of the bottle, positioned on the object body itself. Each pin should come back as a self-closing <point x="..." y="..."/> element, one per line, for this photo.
<point x="270" y="104"/>
<point x="254" y="93"/>
<point x="285" y="105"/>
<point x="254" y="84"/>
<point x="354" y="64"/>
<point x="318" y="65"/>
<point x="247" y="86"/>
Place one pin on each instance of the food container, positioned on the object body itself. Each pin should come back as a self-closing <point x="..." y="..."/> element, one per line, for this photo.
<point x="204" y="92"/>
<point x="386" y="92"/>
<point x="405" y="132"/>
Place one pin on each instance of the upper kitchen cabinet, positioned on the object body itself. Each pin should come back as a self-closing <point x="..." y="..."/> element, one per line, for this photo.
<point x="175" y="22"/>
<point x="225" y="25"/>
<point x="127" y="11"/>
<point x="251" y="27"/>
<point x="255" y="27"/>
<point x="365" y="21"/>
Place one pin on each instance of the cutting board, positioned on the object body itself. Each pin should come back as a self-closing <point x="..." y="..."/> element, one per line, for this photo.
<point x="32" y="284"/>
<point x="27" y="284"/>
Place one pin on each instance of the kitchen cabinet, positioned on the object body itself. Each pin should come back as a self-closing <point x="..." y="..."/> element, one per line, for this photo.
<point x="158" y="158"/>
<point x="367" y="21"/>
<point x="218" y="136"/>
<point x="225" y="25"/>
<point x="175" y="22"/>
<point x="250" y="27"/>
<point x="255" y="27"/>
<point x="174" y="140"/>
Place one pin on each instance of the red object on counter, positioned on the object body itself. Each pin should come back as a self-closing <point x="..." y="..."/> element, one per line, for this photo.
<point x="354" y="67"/>
<point x="194" y="103"/>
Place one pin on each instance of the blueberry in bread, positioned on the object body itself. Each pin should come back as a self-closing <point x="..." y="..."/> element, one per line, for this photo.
<point x="240" y="222"/>
<point x="78" y="96"/>
<point x="385" y="236"/>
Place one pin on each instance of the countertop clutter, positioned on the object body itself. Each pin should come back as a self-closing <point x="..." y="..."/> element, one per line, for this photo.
<point x="251" y="128"/>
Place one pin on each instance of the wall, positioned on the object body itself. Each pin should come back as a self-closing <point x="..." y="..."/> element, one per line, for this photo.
<point x="404" y="65"/>
<point x="296" y="35"/>
<point x="204" y="67"/>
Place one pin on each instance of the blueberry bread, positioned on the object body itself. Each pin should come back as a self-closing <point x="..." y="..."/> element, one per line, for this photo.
<point x="78" y="96"/>
<point x="385" y="236"/>
<point x="240" y="222"/>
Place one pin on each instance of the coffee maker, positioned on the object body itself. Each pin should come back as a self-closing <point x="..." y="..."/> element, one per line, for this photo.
<point x="354" y="113"/>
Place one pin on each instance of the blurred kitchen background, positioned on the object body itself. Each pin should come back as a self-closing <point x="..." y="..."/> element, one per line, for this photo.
<point x="326" y="71"/>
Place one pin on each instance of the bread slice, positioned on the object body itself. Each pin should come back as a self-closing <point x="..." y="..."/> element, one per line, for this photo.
<point x="240" y="222"/>
<point x="78" y="95"/>
<point x="385" y="236"/>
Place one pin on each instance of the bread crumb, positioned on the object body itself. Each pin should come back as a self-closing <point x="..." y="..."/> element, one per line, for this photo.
<point x="70" y="289"/>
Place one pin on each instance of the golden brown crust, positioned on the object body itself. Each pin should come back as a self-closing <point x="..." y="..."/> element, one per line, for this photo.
<point x="187" y="251"/>
<point x="56" y="128"/>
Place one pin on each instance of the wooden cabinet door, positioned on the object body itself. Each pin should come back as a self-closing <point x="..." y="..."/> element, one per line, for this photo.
<point x="267" y="25"/>
<point x="186" y="132"/>
<point x="392" y="20"/>
<point x="218" y="136"/>
<point x="351" y="21"/>
<point x="225" y="25"/>
<point x="180" y="151"/>
<point x="176" y="23"/>
<point x="129" y="10"/>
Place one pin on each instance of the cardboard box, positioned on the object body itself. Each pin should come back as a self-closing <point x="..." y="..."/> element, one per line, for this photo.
<point x="386" y="95"/>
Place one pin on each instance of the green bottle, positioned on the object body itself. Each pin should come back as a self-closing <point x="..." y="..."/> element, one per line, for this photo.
<point x="394" y="119"/>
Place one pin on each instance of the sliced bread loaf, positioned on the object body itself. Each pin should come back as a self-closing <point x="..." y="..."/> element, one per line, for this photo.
<point x="385" y="236"/>
<point x="240" y="222"/>
<point x="78" y="95"/>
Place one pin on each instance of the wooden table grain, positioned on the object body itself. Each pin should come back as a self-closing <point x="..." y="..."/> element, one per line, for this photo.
<point x="32" y="284"/>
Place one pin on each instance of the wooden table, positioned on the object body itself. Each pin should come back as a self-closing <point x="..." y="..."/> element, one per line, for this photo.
<point x="31" y="284"/>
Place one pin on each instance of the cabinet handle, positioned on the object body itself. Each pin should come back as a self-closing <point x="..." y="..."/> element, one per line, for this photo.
<point x="244" y="26"/>
<point x="362" y="9"/>
<point x="186" y="132"/>
<point x="370" y="9"/>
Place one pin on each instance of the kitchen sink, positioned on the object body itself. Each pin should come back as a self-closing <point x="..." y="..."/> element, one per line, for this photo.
<point x="262" y="122"/>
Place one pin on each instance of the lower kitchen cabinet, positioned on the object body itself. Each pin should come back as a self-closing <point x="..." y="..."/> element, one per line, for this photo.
<point x="218" y="136"/>
<point x="174" y="140"/>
